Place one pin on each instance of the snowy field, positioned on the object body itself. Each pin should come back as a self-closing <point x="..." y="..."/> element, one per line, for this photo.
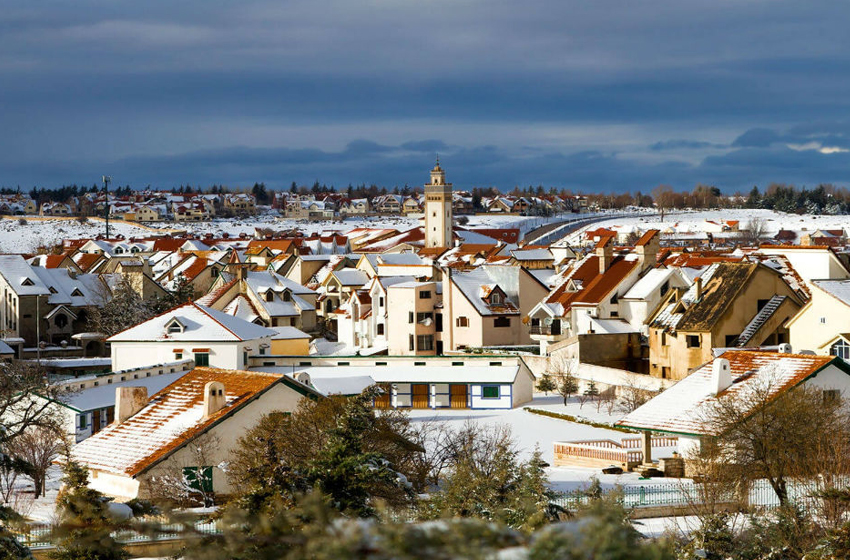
<point x="532" y="431"/>
<point x="694" y="222"/>
<point x="25" y="238"/>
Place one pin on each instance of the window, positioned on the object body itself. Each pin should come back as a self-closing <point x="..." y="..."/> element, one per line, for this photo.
<point x="840" y="349"/>
<point x="419" y="364"/>
<point x="823" y="320"/>
<point x="202" y="359"/>
<point x="61" y="321"/>
<point x="692" y="340"/>
<point x="174" y="326"/>
<point x="425" y="294"/>
<point x="200" y="479"/>
<point x="287" y="296"/>
<point x="269" y="295"/>
<point x="380" y="363"/>
<point x="380" y="329"/>
<point x="77" y="293"/>
<point x="421" y="317"/>
<point x="178" y="356"/>
<point x="262" y="350"/>
<point x="665" y="287"/>
<point x="496" y="298"/>
<point x="425" y="341"/>
<point x="462" y="321"/>
<point x="499" y="322"/>
<point x="411" y="341"/>
<point x="494" y="364"/>
<point x="245" y="358"/>
<point x="305" y="363"/>
<point x="381" y="301"/>
<point x="490" y="392"/>
<point x="82" y="421"/>
<point x="410" y="317"/>
<point x="615" y="299"/>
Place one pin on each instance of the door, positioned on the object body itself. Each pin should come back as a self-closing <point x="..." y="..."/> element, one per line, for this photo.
<point x="382" y="401"/>
<point x="95" y="421"/>
<point x="420" y="395"/>
<point x="458" y="396"/>
<point x="439" y="347"/>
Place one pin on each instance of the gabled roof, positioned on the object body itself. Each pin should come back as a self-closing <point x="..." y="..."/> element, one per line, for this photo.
<point x="202" y="324"/>
<point x="839" y="289"/>
<point x="680" y="408"/>
<point x="589" y="285"/>
<point x="172" y="418"/>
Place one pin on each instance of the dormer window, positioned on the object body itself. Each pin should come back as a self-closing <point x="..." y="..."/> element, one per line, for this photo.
<point x="174" y="326"/>
<point x="496" y="298"/>
<point x="77" y="293"/>
<point x="27" y="282"/>
<point x="287" y="296"/>
<point x="52" y="290"/>
<point x="269" y="295"/>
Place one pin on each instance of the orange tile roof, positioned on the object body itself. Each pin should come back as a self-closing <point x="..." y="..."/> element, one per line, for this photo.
<point x="87" y="260"/>
<point x="594" y="286"/>
<point x="284" y="245"/>
<point x="172" y="418"/>
<point x="646" y="237"/>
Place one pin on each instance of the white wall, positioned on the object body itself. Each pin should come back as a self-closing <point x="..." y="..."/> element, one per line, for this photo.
<point x="224" y="355"/>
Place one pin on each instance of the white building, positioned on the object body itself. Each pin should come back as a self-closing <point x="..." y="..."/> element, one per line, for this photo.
<point x="210" y="337"/>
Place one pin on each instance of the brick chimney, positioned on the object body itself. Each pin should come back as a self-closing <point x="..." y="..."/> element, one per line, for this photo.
<point x="214" y="399"/>
<point x="605" y="253"/>
<point x="647" y="249"/>
<point x="698" y="284"/>
<point x="721" y="375"/>
<point x="129" y="401"/>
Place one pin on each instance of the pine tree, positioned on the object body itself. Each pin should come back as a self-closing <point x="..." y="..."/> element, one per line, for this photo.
<point x="592" y="390"/>
<point x="9" y="547"/>
<point x="86" y="526"/>
<point x="546" y="384"/>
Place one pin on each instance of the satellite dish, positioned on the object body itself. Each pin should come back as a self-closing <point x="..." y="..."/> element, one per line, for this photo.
<point x="427" y="322"/>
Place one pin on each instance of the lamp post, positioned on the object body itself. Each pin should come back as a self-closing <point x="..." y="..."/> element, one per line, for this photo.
<point x="106" y="180"/>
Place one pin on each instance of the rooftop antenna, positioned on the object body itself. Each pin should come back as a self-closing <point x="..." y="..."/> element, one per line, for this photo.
<point x="106" y="180"/>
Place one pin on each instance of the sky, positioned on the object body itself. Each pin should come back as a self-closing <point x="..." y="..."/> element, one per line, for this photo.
<point x="603" y="95"/>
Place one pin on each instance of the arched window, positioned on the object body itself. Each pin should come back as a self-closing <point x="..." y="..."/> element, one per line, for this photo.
<point x="840" y="349"/>
<point x="495" y="298"/>
<point x="287" y="296"/>
<point x="269" y="295"/>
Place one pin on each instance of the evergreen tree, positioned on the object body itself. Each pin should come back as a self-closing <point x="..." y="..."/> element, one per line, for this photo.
<point x="546" y="384"/>
<point x="85" y="528"/>
<point x="9" y="547"/>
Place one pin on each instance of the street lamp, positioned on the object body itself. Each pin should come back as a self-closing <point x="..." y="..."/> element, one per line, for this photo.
<point x="106" y="180"/>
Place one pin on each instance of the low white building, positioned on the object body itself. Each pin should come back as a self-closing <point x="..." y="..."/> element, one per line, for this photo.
<point x="680" y="409"/>
<point x="209" y="337"/>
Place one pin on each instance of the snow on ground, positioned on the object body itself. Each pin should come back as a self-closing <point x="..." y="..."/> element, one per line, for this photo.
<point x="533" y="430"/>
<point x="694" y="221"/>
<point x="26" y="238"/>
<point x="41" y="509"/>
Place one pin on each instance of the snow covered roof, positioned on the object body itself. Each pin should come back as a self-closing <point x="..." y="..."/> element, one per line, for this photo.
<point x="21" y="277"/>
<point x="408" y="373"/>
<point x="490" y="276"/>
<point x="839" y="289"/>
<point x="532" y="255"/>
<point x="351" y="277"/>
<point x="172" y="417"/>
<point x="681" y="408"/>
<point x="104" y="395"/>
<point x="199" y="324"/>
<point x="288" y="333"/>
<point x="650" y="282"/>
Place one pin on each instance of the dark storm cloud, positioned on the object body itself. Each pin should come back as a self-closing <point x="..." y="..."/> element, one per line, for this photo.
<point x="608" y="94"/>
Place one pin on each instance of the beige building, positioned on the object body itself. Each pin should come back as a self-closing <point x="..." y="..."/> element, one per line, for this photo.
<point x="412" y="319"/>
<point x="438" y="209"/>
<point x="146" y="447"/>
<point x="822" y="324"/>
<point x="731" y="305"/>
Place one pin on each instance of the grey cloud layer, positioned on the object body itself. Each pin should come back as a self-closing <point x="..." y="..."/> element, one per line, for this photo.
<point x="138" y="87"/>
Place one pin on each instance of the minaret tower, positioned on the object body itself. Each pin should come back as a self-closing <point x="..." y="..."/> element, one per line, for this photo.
<point x="438" y="209"/>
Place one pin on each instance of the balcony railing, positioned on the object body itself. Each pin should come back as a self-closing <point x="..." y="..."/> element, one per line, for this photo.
<point x="546" y="329"/>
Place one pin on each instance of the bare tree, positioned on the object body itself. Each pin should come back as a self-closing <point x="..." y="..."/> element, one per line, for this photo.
<point x="633" y="395"/>
<point x="39" y="446"/>
<point x="27" y="400"/>
<point x="607" y="399"/>
<point x="189" y="481"/>
<point x="764" y="431"/>
<point x="755" y="231"/>
<point x="561" y="370"/>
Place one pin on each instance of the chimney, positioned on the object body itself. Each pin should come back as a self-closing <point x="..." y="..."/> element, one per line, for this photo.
<point x="214" y="399"/>
<point x="721" y="375"/>
<point x="647" y="249"/>
<point x="605" y="253"/>
<point x="128" y="401"/>
<point x="698" y="284"/>
<point x="785" y="348"/>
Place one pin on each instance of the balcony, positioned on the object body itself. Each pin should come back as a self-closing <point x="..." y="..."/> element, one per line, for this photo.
<point x="546" y="330"/>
